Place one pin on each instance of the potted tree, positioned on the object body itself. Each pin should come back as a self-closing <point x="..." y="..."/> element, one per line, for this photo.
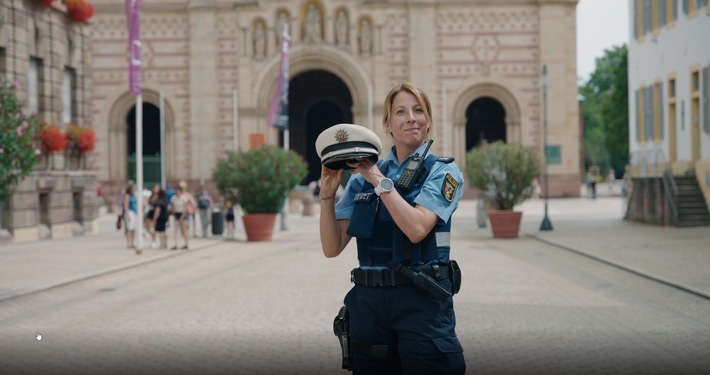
<point x="504" y="175"/>
<point x="262" y="177"/>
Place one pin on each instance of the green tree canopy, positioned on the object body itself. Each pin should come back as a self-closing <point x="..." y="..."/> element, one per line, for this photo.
<point x="606" y="112"/>
<point x="18" y="144"/>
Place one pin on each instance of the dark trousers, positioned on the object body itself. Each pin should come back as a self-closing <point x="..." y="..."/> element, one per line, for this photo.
<point x="419" y="329"/>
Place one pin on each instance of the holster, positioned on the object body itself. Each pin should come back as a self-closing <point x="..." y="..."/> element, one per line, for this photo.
<point x="341" y="329"/>
<point x="454" y="276"/>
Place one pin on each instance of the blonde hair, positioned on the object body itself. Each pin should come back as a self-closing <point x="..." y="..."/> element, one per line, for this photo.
<point x="421" y="97"/>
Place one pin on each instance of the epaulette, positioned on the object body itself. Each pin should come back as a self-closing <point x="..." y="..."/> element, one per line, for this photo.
<point x="446" y="160"/>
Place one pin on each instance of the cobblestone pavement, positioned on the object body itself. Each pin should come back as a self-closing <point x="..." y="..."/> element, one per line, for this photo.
<point x="526" y="306"/>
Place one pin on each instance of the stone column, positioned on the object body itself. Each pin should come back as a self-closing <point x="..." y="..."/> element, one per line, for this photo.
<point x="203" y="132"/>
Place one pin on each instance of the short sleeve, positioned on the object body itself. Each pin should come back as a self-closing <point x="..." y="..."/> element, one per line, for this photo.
<point x="442" y="190"/>
<point x="344" y="207"/>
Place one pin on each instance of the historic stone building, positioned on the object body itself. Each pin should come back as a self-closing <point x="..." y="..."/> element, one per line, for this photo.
<point x="46" y="53"/>
<point x="215" y="65"/>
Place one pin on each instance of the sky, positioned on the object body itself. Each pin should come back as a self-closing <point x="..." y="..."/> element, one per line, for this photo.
<point x="601" y="25"/>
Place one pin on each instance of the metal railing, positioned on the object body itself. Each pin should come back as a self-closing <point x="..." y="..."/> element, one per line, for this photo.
<point x="653" y="163"/>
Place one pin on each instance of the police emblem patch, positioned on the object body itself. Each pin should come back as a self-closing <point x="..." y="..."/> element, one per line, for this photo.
<point x="448" y="188"/>
<point x="341" y="136"/>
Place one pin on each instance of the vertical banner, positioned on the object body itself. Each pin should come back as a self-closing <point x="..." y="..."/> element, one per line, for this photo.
<point x="134" y="45"/>
<point x="278" y="109"/>
<point x="134" y="83"/>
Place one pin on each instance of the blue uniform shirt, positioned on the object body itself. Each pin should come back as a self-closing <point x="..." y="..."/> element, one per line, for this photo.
<point x="431" y="196"/>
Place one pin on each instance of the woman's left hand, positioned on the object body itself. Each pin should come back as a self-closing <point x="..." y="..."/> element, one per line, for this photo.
<point x="368" y="170"/>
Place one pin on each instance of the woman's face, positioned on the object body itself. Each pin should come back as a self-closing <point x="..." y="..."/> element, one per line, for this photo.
<point x="408" y="124"/>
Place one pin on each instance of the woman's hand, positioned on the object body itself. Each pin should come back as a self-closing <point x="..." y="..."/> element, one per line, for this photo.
<point x="368" y="170"/>
<point x="330" y="181"/>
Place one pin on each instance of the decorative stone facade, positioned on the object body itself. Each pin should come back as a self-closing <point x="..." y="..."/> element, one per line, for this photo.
<point x="59" y="199"/>
<point x="480" y="62"/>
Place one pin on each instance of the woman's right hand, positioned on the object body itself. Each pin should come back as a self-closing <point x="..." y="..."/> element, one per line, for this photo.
<point x="330" y="181"/>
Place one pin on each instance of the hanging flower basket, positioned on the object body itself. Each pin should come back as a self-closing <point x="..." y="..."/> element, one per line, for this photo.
<point x="81" y="139"/>
<point x="79" y="10"/>
<point x="53" y="139"/>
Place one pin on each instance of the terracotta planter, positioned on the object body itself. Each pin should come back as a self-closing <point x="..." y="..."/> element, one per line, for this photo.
<point x="505" y="223"/>
<point x="259" y="227"/>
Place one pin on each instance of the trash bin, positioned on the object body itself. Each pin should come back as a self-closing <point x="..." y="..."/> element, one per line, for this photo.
<point x="217" y="221"/>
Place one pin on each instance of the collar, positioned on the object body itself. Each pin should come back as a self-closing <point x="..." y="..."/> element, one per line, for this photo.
<point x="392" y="155"/>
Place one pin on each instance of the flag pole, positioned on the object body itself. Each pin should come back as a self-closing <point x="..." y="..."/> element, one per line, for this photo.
<point x="139" y="173"/>
<point x="134" y="84"/>
<point x="162" y="142"/>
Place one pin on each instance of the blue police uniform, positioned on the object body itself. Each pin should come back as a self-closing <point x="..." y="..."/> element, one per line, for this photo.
<point x="395" y="326"/>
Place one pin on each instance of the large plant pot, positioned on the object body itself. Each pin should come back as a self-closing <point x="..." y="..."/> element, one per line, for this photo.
<point x="259" y="227"/>
<point x="505" y="223"/>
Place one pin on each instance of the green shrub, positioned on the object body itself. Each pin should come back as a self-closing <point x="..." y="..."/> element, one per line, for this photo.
<point x="19" y="146"/>
<point x="503" y="173"/>
<point x="262" y="176"/>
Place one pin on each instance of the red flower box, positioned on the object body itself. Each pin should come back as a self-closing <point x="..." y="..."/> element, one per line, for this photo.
<point x="53" y="139"/>
<point x="84" y="139"/>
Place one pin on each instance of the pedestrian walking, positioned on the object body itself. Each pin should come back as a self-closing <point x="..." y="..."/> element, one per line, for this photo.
<point x="130" y="215"/>
<point x="179" y="212"/>
<point x="204" y="208"/>
<point x="160" y="218"/>
<point x="399" y="313"/>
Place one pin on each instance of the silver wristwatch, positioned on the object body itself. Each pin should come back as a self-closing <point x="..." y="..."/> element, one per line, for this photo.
<point x="385" y="186"/>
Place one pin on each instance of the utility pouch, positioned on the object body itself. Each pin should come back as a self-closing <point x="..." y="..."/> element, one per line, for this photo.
<point x="364" y="215"/>
<point x="341" y="329"/>
<point x="455" y="276"/>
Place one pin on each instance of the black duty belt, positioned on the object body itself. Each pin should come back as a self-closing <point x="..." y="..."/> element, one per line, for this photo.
<point x="388" y="277"/>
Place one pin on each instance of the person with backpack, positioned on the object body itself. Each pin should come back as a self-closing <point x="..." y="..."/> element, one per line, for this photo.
<point x="204" y="204"/>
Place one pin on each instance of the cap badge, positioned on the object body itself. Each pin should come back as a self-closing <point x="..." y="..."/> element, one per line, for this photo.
<point x="341" y="136"/>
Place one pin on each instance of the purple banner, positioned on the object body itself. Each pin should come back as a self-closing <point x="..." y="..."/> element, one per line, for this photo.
<point x="277" y="116"/>
<point x="133" y="15"/>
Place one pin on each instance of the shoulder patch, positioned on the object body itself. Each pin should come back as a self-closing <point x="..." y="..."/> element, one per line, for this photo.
<point x="449" y="187"/>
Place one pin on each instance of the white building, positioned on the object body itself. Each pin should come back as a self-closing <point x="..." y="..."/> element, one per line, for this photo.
<point x="669" y="116"/>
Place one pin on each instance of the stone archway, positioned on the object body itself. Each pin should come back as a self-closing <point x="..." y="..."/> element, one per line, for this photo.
<point x="119" y="128"/>
<point x="318" y="99"/>
<point x="485" y="122"/>
<point x="328" y="59"/>
<point x="490" y="92"/>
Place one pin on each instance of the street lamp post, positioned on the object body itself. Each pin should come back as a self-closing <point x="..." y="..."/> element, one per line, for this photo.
<point x="546" y="223"/>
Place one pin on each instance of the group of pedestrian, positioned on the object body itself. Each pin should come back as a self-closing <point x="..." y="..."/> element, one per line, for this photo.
<point x="167" y="207"/>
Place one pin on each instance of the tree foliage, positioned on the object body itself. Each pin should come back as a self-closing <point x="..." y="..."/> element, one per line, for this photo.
<point x="606" y="112"/>
<point x="19" y="146"/>
<point x="262" y="177"/>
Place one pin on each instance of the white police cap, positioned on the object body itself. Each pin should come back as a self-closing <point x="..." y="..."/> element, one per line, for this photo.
<point x="342" y="143"/>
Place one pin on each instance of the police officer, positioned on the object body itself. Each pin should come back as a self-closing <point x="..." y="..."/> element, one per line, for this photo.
<point x="401" y="317"/>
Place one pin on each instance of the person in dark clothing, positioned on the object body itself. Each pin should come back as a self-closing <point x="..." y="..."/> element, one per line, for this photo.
<point x="160" y="217"/>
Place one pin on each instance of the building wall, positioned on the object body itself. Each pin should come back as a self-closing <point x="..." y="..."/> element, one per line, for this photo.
<point x="30" y="29"/>
<point x="659" y="53"/>
<point x="199" y="53"/>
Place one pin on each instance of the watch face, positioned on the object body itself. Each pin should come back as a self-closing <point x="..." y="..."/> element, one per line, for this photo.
<point x="386" y="184"/>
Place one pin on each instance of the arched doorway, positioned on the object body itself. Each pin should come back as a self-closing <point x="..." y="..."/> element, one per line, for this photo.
<point x="485" y="122"/>
<point x="151" y="145"/>
<point x="318" y="99"/>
